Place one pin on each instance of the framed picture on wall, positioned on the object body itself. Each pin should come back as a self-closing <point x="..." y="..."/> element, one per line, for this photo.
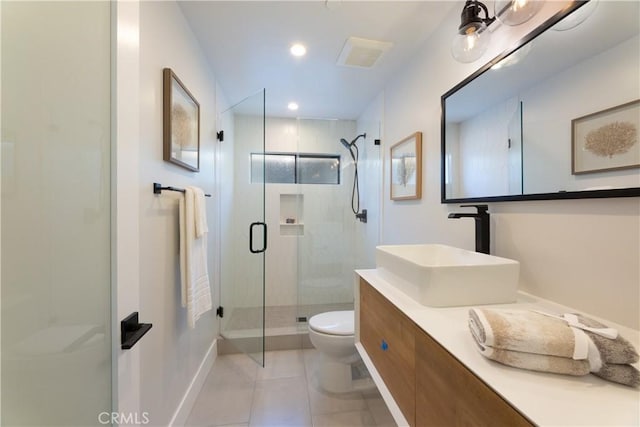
<point x="606" y="140"/>
<point x="406" y="168"/>
<point x="181" y="123"/>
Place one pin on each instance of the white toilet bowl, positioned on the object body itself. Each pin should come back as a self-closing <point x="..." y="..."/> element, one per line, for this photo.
<point x="332" y="334"/>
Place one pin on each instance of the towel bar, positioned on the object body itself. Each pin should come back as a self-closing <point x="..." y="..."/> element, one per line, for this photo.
<point x="157" y="189"/>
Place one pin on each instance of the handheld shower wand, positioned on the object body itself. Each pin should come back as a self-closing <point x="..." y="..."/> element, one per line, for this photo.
<point x="355" y="192"/>
<point x="348" y="146"/>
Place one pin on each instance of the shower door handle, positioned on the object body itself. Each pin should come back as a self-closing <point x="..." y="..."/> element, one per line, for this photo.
<point x="264" y="237"/>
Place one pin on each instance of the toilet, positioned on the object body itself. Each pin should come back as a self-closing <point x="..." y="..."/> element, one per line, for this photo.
<point x="332" y="334"/>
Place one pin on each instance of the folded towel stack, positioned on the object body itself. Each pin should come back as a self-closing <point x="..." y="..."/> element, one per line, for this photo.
<point x="570" y="344"/>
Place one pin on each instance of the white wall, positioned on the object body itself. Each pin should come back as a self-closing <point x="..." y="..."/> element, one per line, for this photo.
<point x="172" y="353"/>
<point x="484" y="152"/>
<point x="567" y="249"/>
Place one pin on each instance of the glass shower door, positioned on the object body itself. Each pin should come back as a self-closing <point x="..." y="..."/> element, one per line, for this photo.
<point x="55" y="211"/>
<point x="244" y="231"/>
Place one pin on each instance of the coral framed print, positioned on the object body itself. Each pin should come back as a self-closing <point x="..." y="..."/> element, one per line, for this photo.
<point x="181" y="123"/>
<point x="406" y="168"/>
<point x="606" y="140"/>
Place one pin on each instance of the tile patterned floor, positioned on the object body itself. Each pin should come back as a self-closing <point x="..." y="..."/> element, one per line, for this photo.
<point x="238" y="392"/>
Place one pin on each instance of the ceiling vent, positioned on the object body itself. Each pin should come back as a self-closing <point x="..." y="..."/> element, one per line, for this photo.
<point x="362" y="53"/>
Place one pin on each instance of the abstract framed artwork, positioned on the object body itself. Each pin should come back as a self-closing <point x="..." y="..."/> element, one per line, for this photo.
<point x="406" y="168"/>
<point x="606" y="140"/>
<point x="181" y="123"/>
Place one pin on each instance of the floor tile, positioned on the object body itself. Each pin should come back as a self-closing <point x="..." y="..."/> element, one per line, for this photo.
<point x="282" y="364"/>
<point x="344" y="419"/>
<point x="379" y="411"/>
<point x="232" y="369"/>
<point x="239" y="393"/>
<point x="230" y="404"/>
<point x="323" y="402"/>
<point x="311" y="359"/>
<point x="281" y="402"/>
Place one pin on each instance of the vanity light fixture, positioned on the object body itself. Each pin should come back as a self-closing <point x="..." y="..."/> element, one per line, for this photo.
<point x="292" y="106"/>
<point x="473" y="36"/>
<point x="516" y="12"/>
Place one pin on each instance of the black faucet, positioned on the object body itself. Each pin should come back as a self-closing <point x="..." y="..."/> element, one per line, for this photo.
<point x="482" y="225"/>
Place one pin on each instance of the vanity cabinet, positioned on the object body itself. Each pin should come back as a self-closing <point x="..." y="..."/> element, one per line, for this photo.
<point x="430" y="386"/>
<point x="389" y="338"/>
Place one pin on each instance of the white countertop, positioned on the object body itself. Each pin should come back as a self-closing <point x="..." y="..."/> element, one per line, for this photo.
<point x="546" y="399"/>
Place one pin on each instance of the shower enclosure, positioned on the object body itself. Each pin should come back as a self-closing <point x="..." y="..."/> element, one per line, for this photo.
<point x="315" y="240"/>
<point x="298" y="174"/>
<point x="311" y="255"/>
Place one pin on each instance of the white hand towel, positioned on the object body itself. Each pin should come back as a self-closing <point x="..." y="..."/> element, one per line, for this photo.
<point x="200" y="212"/>
<point x="196" y="290"/>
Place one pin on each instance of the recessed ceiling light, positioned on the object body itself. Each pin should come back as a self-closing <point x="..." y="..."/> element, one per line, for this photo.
<point x="298" y="49"/>
<point x="292" y="106"/>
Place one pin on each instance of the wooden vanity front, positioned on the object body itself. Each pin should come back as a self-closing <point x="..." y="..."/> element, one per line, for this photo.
<point x="429" y="385"/>
<point x="389" y="338"/>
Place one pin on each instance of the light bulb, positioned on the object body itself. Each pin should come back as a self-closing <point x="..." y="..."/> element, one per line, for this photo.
<point x="471" y="45"/>
<point x="516" y="12"/>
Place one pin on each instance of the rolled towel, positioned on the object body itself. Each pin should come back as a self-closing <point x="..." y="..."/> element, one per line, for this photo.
<point x="536" y="362"/>
<point x="524" y="331"/>
<point x="541" y="342"/>
<point x="616" y="351"/>
<point x="621" y="374"/>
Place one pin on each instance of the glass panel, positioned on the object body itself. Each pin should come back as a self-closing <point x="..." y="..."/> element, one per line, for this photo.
<point x="277" y="168"/>
<point x="242" y="272"/>
<point x="55" y="210"/>
<point x="326" y="251"/>
<point x="318" y="169"/>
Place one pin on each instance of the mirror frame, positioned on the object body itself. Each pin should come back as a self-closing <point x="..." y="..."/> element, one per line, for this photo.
<point x="592" y="194"/>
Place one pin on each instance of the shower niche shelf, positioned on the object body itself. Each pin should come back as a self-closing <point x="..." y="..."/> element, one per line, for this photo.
<point x="291" y="215"/>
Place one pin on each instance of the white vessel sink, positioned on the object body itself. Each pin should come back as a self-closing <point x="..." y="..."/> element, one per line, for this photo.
<point x="445" y="276"/>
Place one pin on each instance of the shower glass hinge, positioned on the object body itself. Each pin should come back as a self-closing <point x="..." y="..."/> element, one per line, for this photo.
<point x="220" y="311"/>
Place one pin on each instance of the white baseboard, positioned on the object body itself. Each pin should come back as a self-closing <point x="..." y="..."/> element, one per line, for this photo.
<point x="188" y="400"/>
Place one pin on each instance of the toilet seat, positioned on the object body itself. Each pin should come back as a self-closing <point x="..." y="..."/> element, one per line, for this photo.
<point x="341" y="323"/>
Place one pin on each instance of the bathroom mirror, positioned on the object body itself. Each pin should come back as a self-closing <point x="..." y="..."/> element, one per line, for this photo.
<point x="507" y="129"/>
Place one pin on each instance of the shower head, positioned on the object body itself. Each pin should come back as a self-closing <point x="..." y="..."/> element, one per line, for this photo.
<point x="364" y="135"/>
<point x="348" y="145"/>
